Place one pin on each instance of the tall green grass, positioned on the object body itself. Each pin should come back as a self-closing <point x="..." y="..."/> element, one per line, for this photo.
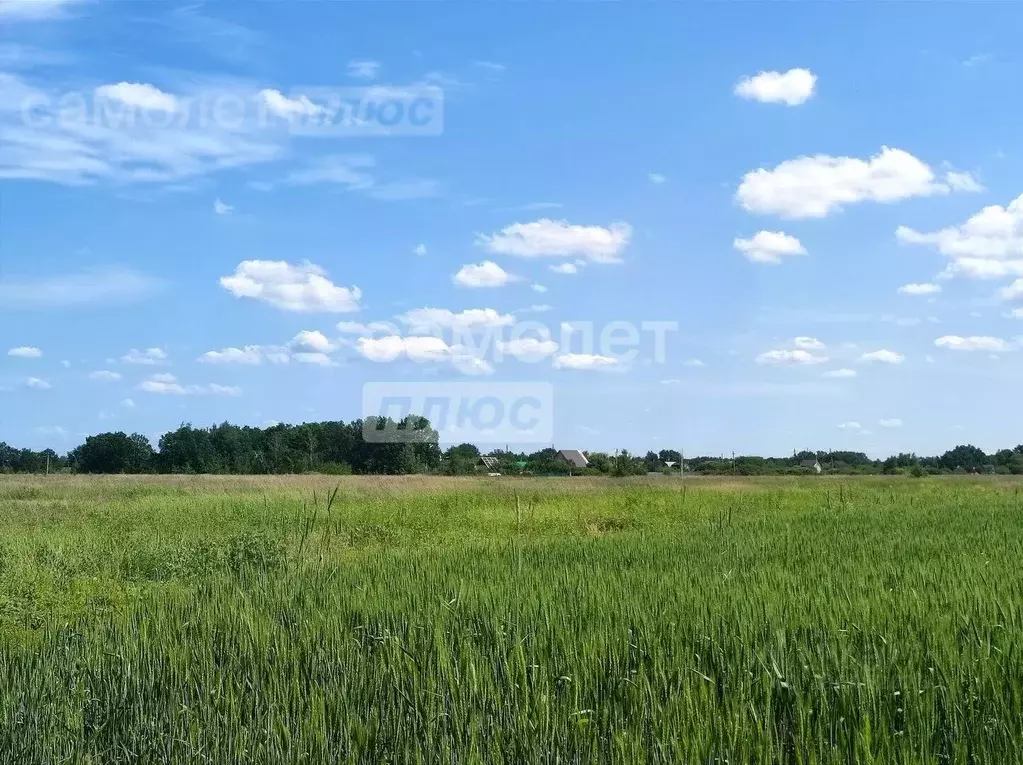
<point x="765" y="622"/>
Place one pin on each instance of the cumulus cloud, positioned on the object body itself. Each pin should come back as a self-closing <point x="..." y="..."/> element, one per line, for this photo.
<point x="551" y="238"/>
<point x="485" y="274"/>
<point x="37" y="384"/>
<point x="587" y="362"/>
<point x="104" y="375"/>
<point x="808" y="343"/>
<point x="528" y="348"/>
<point x="840" y="374"/>
<point x="850" y="426"/>
<point x="140" y="95"/>
<point x="280" y="105"/>
<point x="222" y="208"/>
<point x="313" y="341"/>
<point x="656" y="178"/>
<point x="994" y="233"/>
<point x="919" y="289"/>
<point x="301" y="288"/>
<point x="972" y="343"/>
<point x="538" y="288"/>
<point x="1013" y="291"/>
<point x="791" y="88"/>
<point x="565" y="268"/>
<point x="250" y="354"/>
<point x="373" y="327"/>
<point x="148" y="357"/>
<point x="787" y="357"/>
<point x="25" y="352"/>
<point x="813" y="187"/>
<point x="421" y="349"/>
<point x="883" y="356"/>
<point x="769" y="247"/>
<point x="432" y="319"/>
<point x="168" y="385"/>
<point x="893" y="422"/>
<point x="420" y="249"/>
<point x="313" y="357"/>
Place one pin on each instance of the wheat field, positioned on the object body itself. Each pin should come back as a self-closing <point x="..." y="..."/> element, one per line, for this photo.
<point x="443" y="620"/>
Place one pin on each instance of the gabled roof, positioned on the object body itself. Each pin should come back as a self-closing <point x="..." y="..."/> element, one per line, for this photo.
<point x="490" y="463"/>
<point x="807" y="463"/>
<point x="574" y="457"/>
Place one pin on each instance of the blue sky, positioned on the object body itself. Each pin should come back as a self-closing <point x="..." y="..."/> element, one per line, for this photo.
<point x="768" y="176"/>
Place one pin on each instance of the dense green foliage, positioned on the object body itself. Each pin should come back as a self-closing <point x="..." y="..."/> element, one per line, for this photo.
<point x="449" y="621"/>
<point x="340" y="448"/>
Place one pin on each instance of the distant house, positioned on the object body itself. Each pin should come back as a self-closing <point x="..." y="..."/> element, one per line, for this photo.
<point x="813" y="465"/>
<point x="575" y="458"/>
<point x="490" y="464"/>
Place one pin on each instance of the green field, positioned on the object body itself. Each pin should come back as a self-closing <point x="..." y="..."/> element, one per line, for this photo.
<point x="512" y="621"/>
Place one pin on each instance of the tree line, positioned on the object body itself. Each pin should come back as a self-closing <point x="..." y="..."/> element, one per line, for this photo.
<point x="342" y="448"/>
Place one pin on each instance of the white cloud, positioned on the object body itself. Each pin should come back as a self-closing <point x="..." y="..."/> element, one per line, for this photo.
<point x="850" y="426"/>
<point x="963" y="182"/>
<point x="671" y="381"/>
<point x="318" y="358"/>
<point x="148" y="357"/>
<point x="840" y="374"/>
<point x="694" y="363"/>
<point x="420" y="249"/>
<point x="813" y="187"/>
<point x="167" y="385"/>
<point x="528" y="348"/>
<point x="128" y="403"/>
<point x="364" y="70"/>
<point x="1016" y="313"/>
<point x="972" y="343"/>
<point x="586" y="362"/>
<point x="1013" y="291"/>
<point x="995" y="232"/>
<point x="72" y="144"/>
<point x="769" y="247"/>
<point x="538" y="288"/>
<point x="431" y="319"/>
<point x="140" y="95"/>
<point x="222" y="208"/>
<point x="420" y="349"/>
<point x="919" y="289"/>
<point x="357" y="328"/>
<point x="783" y="357"/>
<point x="66" y="364"/>
<point x="982" y="268"/>
<point x="541" y="308"/>
<point x="291" y="108"/>
<point x="485" y="274"/>
<point x="883" y="357"/>
<point x="792" y="88"/>
<point x="36" y="384"/>
<point x="550" y="238"/>
<point x="104" y="375"/>
<point x="250" y="354"/>
<point x="893" y="422"/>
<point x="314" y="341"/>
<point x="25" y="352"/>
<point x="100" y="287"/>
<point x="656" y="178"/>
<point x="565" y="268"/>
<point x="301" y="288"/>
<point x="808" y="343"/>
